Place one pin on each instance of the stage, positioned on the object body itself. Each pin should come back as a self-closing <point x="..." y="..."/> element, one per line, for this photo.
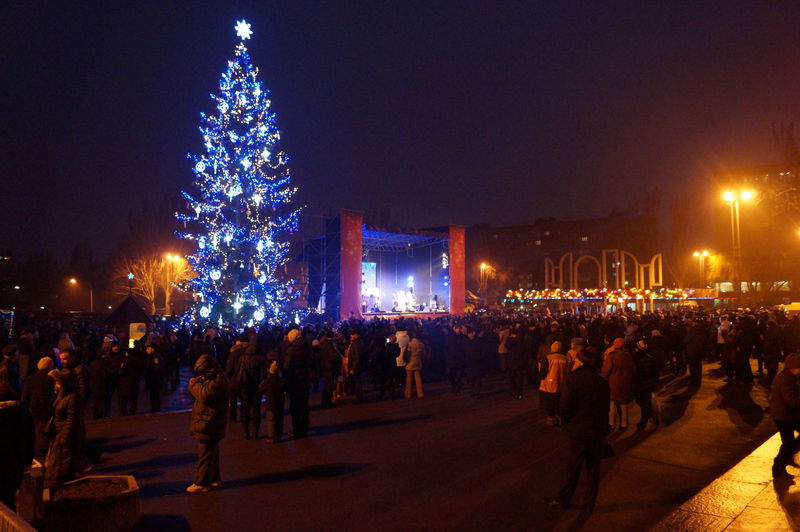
<point x="396" y="315"/>
<point x="358" y="269"/>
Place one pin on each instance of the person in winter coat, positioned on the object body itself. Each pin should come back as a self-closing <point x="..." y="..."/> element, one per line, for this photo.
<point x="251" y="374"/>
<point x="99" y="379"/>
<point x="16" y="444"/>
<point x="645" y="382"/>
<point x="584" y="404"/>
<point x="38" y="395"/>
<point x="771" y="350"/>
<point x="115" y="359"/>
<point x="232" y="370"/>
<point x="455" y="360"/>
<point x="416" y="357"/>
<point x="356" y="357"/>
<point x="554" y="369"/>
<point x="329" y="361"/>
<point x="784" y="404"/>
<point x="517" y="360"/>
<point x="695" y="342"/>
<point x="657" y="346"/>
<point x="209" y="420"/>
<point x="71" y="364"/>
<point x="728" y="336"/>
<point x="9" y="370"/>
<point x="745" y="340"/>
<point x="131" y="368"/>
<point x="66" y="458"/>
<point x="154" y="376"/>
<point x="478" y="355"/>
<point x="272" y="386"/>
<point x="296" y="373"/>
<point x="619" y="370"/>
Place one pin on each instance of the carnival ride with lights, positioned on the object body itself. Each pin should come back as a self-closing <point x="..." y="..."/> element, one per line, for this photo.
<point x="362" y="270"/>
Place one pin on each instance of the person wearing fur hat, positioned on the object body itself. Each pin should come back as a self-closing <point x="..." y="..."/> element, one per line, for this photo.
<point x="784" y="404"/>
<point x="209" y="420"/>
<point x="554" y="368"/>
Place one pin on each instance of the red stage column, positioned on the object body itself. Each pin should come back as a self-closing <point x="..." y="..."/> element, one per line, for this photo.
<point x="458" y="271"/>
<point x="350" y="274"/>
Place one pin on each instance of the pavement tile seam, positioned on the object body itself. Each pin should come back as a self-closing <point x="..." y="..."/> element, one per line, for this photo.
<point x="684" y="521"/>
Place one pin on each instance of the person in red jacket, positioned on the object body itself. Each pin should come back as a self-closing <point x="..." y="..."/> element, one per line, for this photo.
<point x="619" y="370"/>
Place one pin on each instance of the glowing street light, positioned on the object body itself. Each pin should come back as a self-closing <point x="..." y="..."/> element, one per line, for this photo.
<point x="701" y="257"/>
<point x="73" y="281"/>
<point x="486" y="271"/>
<point x="733" y="197"/>
<point x="171" y="273"/>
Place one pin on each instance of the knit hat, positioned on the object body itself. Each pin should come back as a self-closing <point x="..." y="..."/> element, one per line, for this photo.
<point x="555" y="347"/>
<point x="655" y="332"/>
<point x="577" y="342"/>
<point x="587" y="355"/>
<point x="46" y="363"/>
<point x="293" y="335"/>
<point x="792" y="361"/>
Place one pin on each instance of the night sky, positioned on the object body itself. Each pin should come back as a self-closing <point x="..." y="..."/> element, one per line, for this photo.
<point x="461" y="112"/>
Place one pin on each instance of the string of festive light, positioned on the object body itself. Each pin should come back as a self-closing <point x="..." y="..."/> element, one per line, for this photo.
<point x="601" y="294"/>
<point x="241" y="213"/>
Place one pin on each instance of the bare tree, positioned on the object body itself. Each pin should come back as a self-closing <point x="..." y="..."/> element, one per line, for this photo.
<point x="146" y="282"/>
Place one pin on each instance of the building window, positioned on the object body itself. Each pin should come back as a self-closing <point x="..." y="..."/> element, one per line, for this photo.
<point x="584" y="239"/>
<point x="538" y="242"/>
<point x="547" y="233"/>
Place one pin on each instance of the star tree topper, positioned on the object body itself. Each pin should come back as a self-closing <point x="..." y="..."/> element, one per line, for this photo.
<point x="243" y="29"/>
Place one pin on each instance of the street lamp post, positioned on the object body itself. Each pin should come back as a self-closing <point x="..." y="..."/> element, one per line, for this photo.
<point x="172" y="265"/>
<point x="486" y="272"/>
<point x="701" y="258"/>
<point x="733" y="198"/>
<point x="73" y="281"/>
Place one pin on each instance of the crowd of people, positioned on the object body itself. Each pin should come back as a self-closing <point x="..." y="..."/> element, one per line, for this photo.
<point x="53" y="374"/>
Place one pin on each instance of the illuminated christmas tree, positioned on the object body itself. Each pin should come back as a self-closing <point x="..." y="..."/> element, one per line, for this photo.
<point x="241" y="212"/>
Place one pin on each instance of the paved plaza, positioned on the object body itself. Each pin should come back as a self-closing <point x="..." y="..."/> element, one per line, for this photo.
<point x="443" y="462"/>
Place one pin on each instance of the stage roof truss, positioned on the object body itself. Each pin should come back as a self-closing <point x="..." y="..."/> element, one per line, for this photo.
<point x="374" y="240"/>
